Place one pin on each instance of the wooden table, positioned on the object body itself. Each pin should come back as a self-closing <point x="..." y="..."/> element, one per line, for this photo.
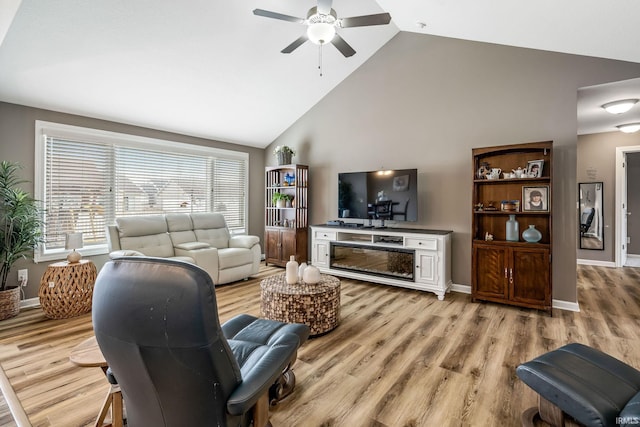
<point x="66" y="289"/>
<point x="316" y="305"/>
<point x="88" y="354"/>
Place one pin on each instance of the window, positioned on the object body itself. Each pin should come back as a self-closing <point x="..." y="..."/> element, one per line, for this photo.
<point x="86" y="178"/>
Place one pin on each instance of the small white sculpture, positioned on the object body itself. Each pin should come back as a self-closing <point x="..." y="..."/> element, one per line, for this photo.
<point x="311" y="275"/>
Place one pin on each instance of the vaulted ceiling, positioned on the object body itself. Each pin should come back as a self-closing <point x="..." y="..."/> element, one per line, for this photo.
<point x="213" y="69"/>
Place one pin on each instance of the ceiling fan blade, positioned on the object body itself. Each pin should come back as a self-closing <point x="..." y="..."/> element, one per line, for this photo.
<point x="324" y="6"/>
<point x="275" y="15"/>
<point x="365" y="20"/>
<point x="293" y="46"/>
<point x="343" y="46"/>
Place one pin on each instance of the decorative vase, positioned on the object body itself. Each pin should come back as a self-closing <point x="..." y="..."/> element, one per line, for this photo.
<point x="532" y="234"/>
<point x="311" y="275"/>
<point x="301" y="269"/>
<point x="283" y="158"/>
<point x="513" y="229"/>
<point x="9" y="303"/>
<point x="291" y="271"/>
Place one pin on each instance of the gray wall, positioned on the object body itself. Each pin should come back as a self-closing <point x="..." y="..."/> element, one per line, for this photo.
<point x="425" y="102"/>
<point x="17" y="144"/>
<point x="596" y="160"/>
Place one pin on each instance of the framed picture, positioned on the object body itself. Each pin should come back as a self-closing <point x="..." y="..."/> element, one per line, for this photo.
<point x="534" y="168"/>
<point x="401" y="183"/>
<point x="535" y="199"/>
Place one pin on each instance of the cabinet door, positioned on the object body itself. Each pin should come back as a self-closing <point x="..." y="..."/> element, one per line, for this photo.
<point x="288" y="244"/>
<point x="490" y="271"/>
<point x="320" y="255"/>
<point x="531" y="276"/>
<point x="272" y="246"/>
<point x="427" y="267"/>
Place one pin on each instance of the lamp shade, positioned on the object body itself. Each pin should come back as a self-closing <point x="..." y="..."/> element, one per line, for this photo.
<point x="73" y="241"/>
<point x="619" y="107"/>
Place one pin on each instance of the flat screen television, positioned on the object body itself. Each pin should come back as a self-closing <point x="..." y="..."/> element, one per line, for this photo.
<point x="389" y="195"/>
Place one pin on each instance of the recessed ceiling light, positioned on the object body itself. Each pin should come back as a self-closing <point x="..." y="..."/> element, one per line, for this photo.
<point x="629" y="127"/>
<point x="619" y="107"/>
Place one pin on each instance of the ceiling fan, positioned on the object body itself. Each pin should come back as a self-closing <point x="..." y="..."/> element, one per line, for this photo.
<point x="322" y="22"/>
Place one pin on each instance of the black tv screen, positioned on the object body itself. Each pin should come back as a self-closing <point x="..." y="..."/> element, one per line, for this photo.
<point x="384" y="195"/>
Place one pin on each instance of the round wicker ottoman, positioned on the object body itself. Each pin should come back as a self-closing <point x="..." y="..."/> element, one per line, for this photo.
<point x="317" y="305"/>
<point x="66" y="289"/>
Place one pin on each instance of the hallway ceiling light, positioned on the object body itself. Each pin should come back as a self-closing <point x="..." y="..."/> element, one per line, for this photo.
<point x="629" y="127"/>
<point x="619" y="107"/>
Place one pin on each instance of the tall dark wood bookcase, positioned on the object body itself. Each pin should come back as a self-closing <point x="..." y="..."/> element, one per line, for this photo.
<point x="286" y="228"/>
<point x="512" y="272"/>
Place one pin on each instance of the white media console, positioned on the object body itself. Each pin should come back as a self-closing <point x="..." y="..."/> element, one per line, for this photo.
<point x="407" y="257"/>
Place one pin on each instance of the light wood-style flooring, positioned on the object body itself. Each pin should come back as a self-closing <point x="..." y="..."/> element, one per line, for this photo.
<point x="399" y="357"/>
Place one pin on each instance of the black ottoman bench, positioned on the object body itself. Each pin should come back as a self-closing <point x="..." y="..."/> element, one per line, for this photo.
<point x="590" y="386"/>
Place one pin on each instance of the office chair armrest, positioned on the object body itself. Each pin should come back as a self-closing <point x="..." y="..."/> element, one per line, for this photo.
<point x="260" y="374"/>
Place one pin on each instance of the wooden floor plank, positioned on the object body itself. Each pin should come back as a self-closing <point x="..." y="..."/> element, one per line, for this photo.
<point x="399" y="357"/>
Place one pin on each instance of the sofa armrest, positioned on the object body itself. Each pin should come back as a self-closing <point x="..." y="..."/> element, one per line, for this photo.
<point x="190" y="246"/>
<point x="205" y="258"/>
<point x="242" y="241"/>
<point x="124" y="252"/>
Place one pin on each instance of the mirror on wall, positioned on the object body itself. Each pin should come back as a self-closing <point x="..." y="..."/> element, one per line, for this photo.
<point x="590" y="220"/>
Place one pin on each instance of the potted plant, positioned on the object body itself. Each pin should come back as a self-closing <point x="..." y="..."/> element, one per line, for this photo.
<point x="284" y="153"/>
<point x="20" y="233"/>
<point x="280" y="200"/>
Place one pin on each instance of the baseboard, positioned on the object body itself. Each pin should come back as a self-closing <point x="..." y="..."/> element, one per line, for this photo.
<point x="596" y="262"/>
<point x="565" y="305"/>
<point x="559" y="304"/>
<point x="29" y="303"/>
<point x="462" y="289"/>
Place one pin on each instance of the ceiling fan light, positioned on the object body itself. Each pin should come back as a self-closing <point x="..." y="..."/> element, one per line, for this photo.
<point x="629" y="127"/>
<point x="619" y="107"/>
<point x="321" y="33"/>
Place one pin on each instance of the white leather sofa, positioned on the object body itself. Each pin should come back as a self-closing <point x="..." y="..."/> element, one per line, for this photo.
<point x="199" y="238"/>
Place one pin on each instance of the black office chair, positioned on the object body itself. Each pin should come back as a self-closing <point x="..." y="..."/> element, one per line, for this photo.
<point x="586" y="219"/>
<point x="156" y="322"/>
<point x="402" y="213"/>
<point x="383" y="209"/>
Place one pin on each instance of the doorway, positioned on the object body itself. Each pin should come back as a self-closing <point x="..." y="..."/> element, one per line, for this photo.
<point x="627" y="201"/>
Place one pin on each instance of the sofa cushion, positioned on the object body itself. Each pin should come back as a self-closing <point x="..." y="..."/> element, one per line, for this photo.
<point x="155" y="245"/>
<point x="234" y="257"/>
<point x="179" y="222"/>
<point x="216" y="238"/>
<point x="211" y="228"/>
<point x="133" y="226"/>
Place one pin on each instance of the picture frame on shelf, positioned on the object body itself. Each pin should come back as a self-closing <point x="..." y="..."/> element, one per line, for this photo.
<point x="534" y="168"/>
<point x="535" y="199"/>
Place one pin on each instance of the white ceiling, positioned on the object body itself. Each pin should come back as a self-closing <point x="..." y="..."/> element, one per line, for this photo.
<point x="213" y="69"/>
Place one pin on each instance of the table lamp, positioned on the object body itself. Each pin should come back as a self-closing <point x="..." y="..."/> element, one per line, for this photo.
<point x="73" y="241"/>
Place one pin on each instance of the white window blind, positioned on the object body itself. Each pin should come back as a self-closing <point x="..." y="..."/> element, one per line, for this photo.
<point x="87" y="178"/>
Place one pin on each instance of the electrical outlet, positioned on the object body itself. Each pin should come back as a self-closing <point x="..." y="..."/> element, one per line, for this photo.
<point x="23" y="276"/>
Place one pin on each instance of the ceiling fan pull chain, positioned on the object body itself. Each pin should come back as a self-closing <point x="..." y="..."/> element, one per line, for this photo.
<point x="320" y="59"/>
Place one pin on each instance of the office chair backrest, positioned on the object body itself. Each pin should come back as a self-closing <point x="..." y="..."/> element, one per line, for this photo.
<point x="156" y="322"/>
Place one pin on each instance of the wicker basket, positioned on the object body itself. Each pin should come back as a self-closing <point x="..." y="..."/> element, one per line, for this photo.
<point x="9" y="303"/>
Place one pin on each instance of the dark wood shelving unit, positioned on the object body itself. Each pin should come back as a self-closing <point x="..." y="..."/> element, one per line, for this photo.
<point x="510" y="272"/>
<point x="286" y="228"/>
